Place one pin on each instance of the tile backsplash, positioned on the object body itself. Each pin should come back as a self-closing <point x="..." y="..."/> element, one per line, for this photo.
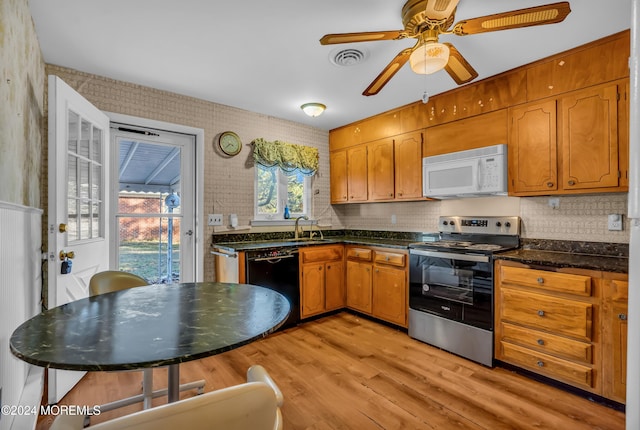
<point x="580" y="218"/>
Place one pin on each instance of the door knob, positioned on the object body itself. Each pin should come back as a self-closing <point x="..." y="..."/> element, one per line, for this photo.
<point x="62" y="228"/>
<point x="189" y="232"/>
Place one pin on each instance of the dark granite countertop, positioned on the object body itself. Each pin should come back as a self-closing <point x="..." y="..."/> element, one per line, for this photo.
<point x="249" y="242"/>
<point x="155" y="325"/>
<point x="606" y="257"/>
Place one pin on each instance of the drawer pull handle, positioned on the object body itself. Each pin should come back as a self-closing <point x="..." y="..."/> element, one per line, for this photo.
<point x="540" y="363"/>
<point x="540" y="280"/>
<point x="540" y="313"/>
<point x="623" y="317"/>
<point x="540" y="342"/>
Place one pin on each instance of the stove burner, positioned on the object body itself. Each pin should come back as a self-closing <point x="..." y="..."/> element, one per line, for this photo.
<point x="485" y="247"/>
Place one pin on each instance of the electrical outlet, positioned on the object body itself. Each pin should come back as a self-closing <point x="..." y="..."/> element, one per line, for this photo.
<point x="215" y="219"/>
<point x="614" y="222"/>
<point x="394" y="219"/>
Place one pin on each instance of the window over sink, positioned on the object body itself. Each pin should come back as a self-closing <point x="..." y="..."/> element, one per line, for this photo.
<point x="277" y="192"/>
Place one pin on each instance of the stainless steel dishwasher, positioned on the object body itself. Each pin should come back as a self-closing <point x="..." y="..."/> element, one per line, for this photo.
<point x="277" y="268"/>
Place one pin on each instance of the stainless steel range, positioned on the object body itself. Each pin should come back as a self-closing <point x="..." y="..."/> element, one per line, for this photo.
<point x="451" y="284"/>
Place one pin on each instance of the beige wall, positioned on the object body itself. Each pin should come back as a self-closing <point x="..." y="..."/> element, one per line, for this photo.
<point x="21" y="105"/>
<point x="228" y="186"/>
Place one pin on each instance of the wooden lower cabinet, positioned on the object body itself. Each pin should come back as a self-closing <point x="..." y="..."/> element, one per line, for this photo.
<point x="614" y="359"/>
<point x="359" y="285"/>
<point x="566" y="324"/>
<point x="322" y="286"/>
<point x="377" y="283"/>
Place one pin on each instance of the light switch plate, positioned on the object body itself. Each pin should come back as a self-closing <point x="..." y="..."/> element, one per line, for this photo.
<point x="614" y="222"/>
<point x="214" y="219"/>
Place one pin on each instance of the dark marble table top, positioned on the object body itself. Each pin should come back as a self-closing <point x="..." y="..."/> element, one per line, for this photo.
<point x="155" y="325"/>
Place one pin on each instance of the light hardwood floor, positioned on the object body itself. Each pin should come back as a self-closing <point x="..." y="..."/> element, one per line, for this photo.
<point x="347" y="372"/>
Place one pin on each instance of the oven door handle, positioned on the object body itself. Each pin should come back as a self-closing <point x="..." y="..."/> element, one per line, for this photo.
<point x="452" y="255"/>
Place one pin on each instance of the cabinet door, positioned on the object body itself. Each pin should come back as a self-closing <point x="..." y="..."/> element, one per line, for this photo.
<point x="312" y="290"/>
<point x="616" y="294"/>
<point x="408" y="166"/>
<point x="381" y="170"/>
<point x="590" y="138"/>
<point x="359" y="286"/>
<point x="334" y="285"/>
<point x="533" y="149"/>
<point x="338" y="176"/>
<point x="357" y="173"/>
<point x="390" y="294"/>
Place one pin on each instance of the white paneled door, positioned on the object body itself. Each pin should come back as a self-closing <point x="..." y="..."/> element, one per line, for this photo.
<point x="78" y="229"/>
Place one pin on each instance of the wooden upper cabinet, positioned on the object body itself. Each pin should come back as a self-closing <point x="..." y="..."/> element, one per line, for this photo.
<point x="589" y="124"/>
<point x="592" y="64"/>
<point x="380" y="126"/>
<point x="381" y="170"/>
<point x="345" y="137"/>
<point x="476" y="132"/>
<point x="532" y="150"/>
<point x="408" y="166"/>
<point x="357" y="173"/>
<point x="338" y="176"/>
<point x="348" y="175"/>
<point x="488" y="95"/>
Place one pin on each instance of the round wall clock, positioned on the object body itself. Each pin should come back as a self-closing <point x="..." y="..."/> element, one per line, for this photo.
<point x="229" y="143"/>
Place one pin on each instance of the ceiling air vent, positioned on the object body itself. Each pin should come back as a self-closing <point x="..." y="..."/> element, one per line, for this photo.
<point x="348" y="57"/>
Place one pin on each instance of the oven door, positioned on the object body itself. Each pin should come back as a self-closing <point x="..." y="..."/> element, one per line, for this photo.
<point x="452" y="285"/>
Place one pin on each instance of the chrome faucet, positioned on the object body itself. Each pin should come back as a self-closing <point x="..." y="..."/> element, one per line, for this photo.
<point x="296" y="226"/>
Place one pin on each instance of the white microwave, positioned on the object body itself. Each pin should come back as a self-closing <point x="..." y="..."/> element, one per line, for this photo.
<point x="471" y="173"/>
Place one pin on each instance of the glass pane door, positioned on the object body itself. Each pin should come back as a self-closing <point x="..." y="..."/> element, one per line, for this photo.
<point x="150" y="209"/>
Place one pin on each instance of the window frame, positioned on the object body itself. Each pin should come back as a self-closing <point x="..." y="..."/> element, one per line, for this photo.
<point x="282" y="191"/>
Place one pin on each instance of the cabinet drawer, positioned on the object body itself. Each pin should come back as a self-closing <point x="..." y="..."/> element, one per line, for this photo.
<point x="545" y="342"/>
<point x="392" y="258"/>
<point x="362" y="254"/>
<point x="550" y="281"/>
<point x="557" y="368"/>
<point x="322" y="254"/>
<point x="561" y="316"/>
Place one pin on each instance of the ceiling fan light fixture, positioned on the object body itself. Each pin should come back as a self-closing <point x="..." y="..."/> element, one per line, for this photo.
<point x="313" y="109"/>
<point x="429" y="58"/>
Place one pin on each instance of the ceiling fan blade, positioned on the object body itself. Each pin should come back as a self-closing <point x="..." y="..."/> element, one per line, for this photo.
<point x="458" y="67"/>
<point x="370" y="36"/>
<point x="539" y="15"/>
<point x="388" y="72"/>
<point x="440" y="9"/>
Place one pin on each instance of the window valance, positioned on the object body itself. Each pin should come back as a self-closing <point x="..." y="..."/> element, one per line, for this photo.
<point x="289" y="157"/>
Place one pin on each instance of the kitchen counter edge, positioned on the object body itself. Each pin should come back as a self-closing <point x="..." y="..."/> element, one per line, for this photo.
<point x="558" y="259"/>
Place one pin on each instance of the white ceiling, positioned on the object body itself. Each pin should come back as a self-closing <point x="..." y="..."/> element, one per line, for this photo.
<point x="264" y="56"/>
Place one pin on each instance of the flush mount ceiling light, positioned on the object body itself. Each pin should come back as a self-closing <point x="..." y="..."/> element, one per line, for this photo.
<point x="313" y="109"/>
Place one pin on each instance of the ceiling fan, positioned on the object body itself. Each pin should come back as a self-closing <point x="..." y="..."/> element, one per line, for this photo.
<point x="426" y="20"/>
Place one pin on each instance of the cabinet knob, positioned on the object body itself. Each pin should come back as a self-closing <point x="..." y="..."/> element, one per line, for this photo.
<point x="320" y="268"/>
<point x="571" y="182"/>
<point x="400" y="194"/>
<point x="540" y="363"/>
<point x="541" y="313"/>
<point x="550" y="184"/>
<point x="540" y="342"/>
<point x="540" y="280"/>
<point x="622" y="317"/>
<point x="387" y="258"/>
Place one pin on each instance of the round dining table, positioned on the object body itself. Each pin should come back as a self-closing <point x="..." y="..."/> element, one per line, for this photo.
<point x="150" y="326"/>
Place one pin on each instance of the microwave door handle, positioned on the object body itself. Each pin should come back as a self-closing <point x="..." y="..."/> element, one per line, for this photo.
<point x="479" y="175"/>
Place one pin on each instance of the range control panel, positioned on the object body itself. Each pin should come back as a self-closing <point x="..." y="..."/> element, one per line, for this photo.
<point x="483" y="225"/>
